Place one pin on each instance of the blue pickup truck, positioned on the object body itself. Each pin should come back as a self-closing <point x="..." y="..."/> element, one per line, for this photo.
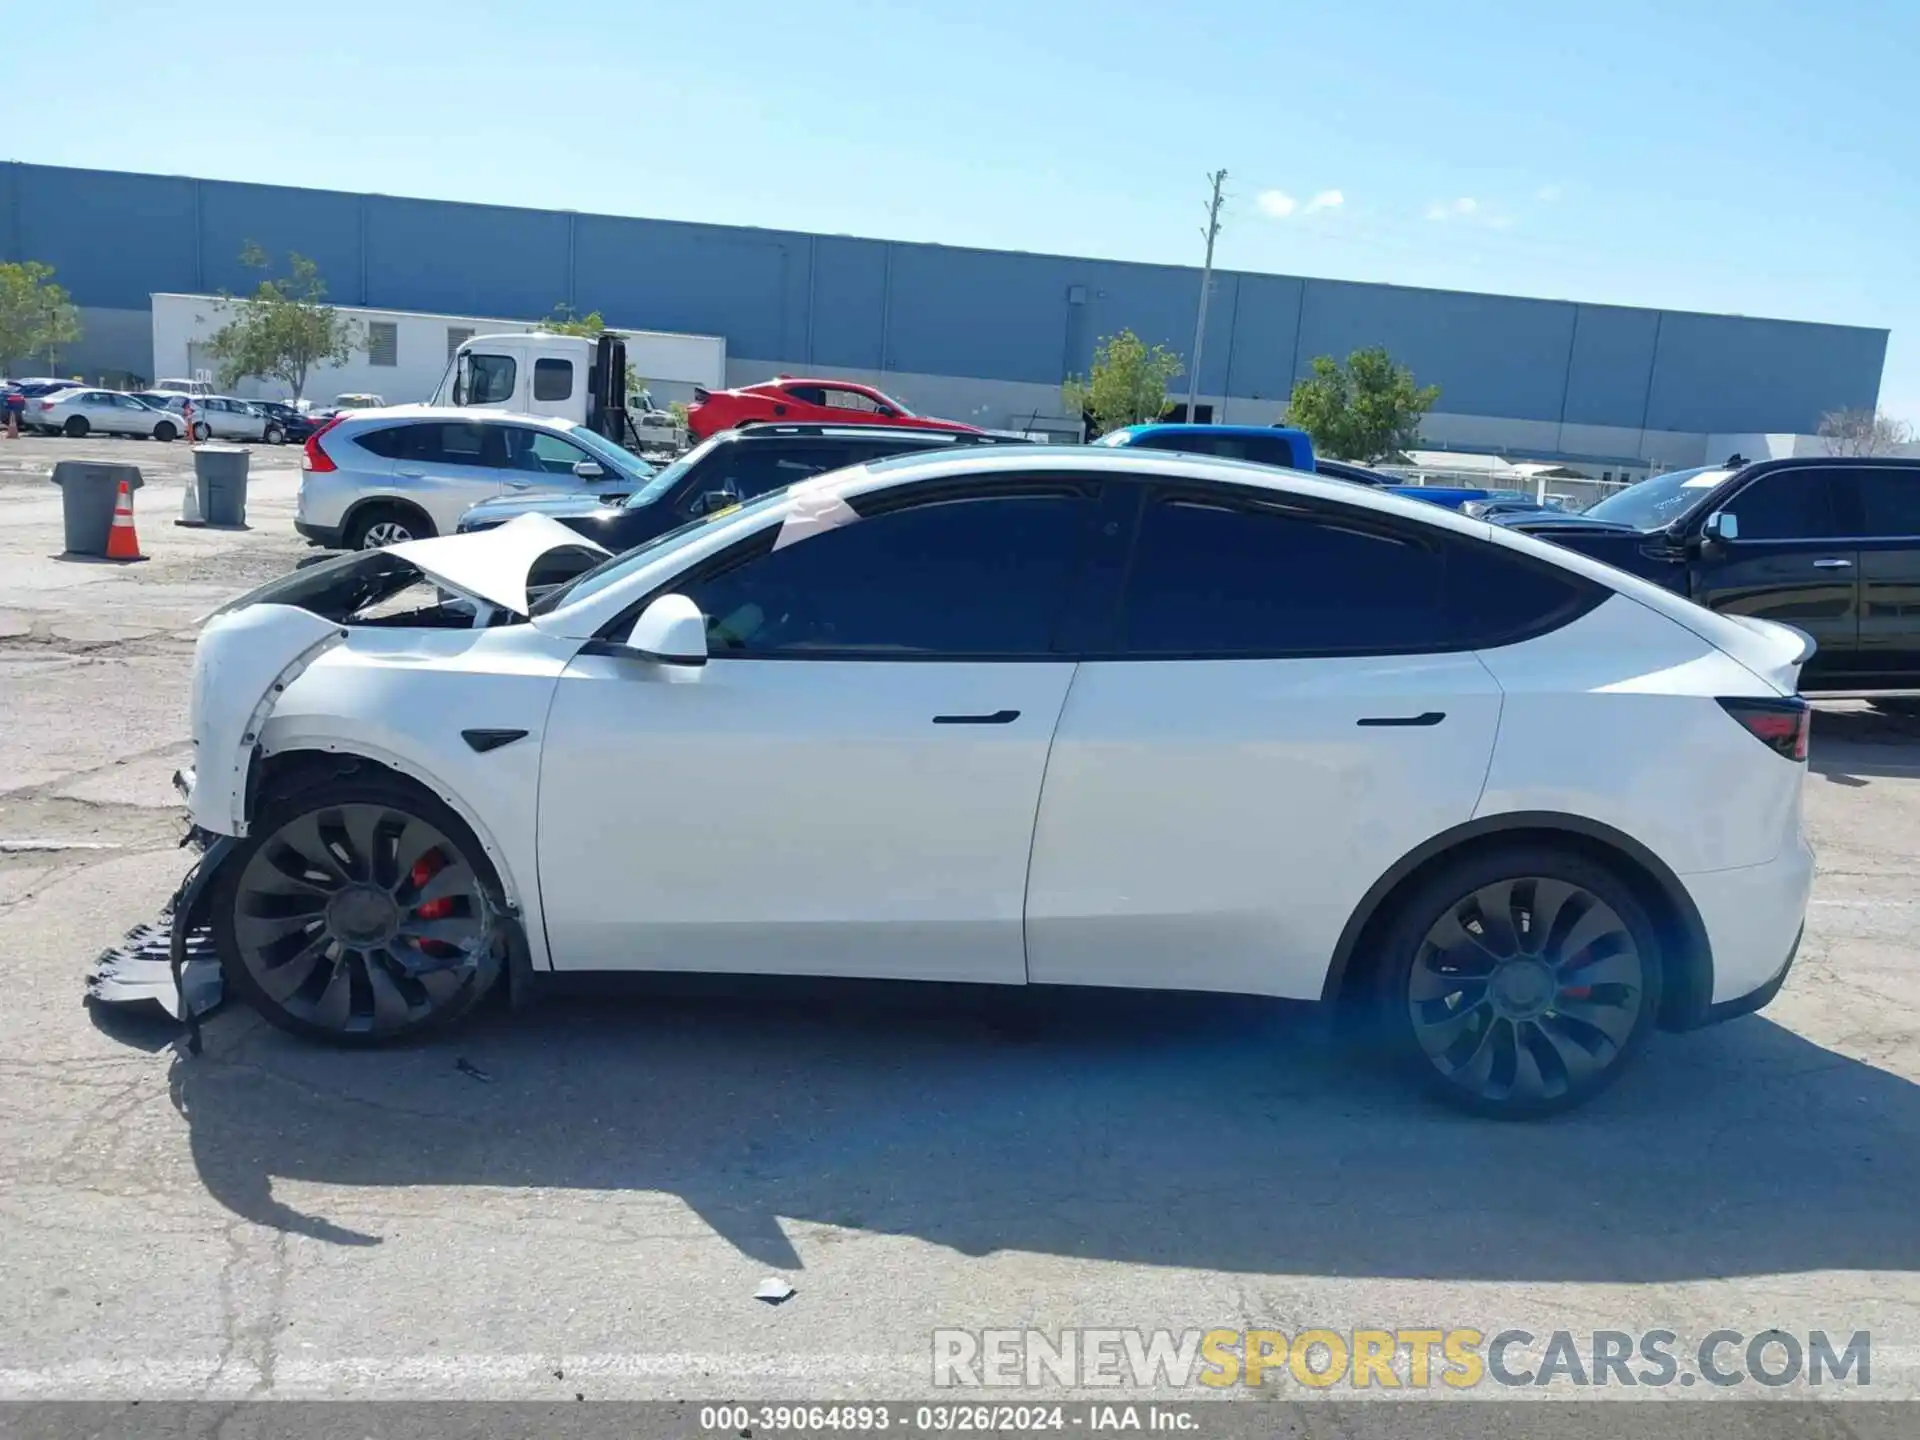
<point x="1277" y="445"/>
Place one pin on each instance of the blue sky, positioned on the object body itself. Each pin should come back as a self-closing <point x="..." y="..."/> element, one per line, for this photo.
<point x="1758" y="158"/>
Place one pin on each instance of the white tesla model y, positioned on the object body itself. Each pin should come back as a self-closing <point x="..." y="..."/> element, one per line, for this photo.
<point x="1054" y="717"/>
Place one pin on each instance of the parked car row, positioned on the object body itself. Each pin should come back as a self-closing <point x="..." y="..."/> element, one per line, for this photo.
<point x="64" y="407"/>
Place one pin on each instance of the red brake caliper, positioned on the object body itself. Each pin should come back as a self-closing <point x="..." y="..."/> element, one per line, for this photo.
<point x="424" y="869"/>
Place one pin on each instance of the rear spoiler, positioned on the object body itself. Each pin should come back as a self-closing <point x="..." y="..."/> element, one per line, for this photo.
<point x="701" y="394"/>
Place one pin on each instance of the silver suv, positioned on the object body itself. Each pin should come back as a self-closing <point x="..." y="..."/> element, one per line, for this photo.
<point x="377" y="477"/>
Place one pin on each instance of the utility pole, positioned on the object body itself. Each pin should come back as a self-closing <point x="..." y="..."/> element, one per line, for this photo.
<point x="1212" y="232"/>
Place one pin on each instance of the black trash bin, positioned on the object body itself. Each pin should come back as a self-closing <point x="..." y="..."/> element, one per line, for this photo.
<point x="87" y="492"/>
<point x="220" y="473"/>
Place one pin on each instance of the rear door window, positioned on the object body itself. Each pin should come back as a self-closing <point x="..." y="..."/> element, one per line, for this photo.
<point x="1215" y="577"/>
<point x="1890" y="501"/>
<point x="552" y="380"/>
<point x="1223" y="579"/>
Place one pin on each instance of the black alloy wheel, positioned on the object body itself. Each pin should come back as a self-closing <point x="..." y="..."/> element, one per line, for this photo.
<point x="360" y="915"/>
<point x="1523" y="986"/>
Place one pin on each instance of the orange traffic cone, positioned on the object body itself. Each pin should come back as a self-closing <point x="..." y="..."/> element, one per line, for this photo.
<point x="122" y="542"/>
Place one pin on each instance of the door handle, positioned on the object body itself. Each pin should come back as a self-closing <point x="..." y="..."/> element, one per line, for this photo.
<point x="409" y="474"/>
<point x="1833" y="564"/>
<point x="998" y="717"/>
<point x="1429" y="717"/>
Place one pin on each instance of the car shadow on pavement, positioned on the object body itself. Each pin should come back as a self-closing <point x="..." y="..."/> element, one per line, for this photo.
<point x="1207" y="1132"/>
<point x="1853" y="746"/>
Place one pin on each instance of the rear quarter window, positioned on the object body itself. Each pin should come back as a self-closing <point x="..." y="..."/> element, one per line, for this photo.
<point x="1492" y="596"/>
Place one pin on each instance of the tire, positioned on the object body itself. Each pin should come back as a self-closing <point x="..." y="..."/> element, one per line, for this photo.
<point x="318" y="919"/>
<point x="202" y="431"/>
<point x="374" y="527"/>
<point x="273" y="435"/>
<point x="76" y="427"/>
<point x="167" y="431"/>
<point x="1543" y="1015"/>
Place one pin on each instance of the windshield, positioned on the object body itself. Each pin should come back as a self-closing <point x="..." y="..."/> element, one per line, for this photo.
<point x="666" y="479"/>
<point x="1656" y="503"/>
<point x="607" y="571"/>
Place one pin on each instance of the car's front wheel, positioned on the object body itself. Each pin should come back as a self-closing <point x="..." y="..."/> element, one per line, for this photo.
<point x="360" y="913"/>
<point x="1519" y="982"/>
<point x="166" y="430"/>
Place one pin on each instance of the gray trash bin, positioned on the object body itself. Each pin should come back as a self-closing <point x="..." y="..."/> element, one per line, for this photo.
<point x="87" y="492"/>
<point x="220" y="473"/>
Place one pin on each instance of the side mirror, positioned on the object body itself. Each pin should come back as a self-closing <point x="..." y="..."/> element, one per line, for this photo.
<point x="670" y="631"/>
<point x="589" y="469"/>
<point x="1721" y="525"/>
<point x="887" y="410"/>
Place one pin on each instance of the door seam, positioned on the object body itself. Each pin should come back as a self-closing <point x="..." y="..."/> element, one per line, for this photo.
<point x="1493" y="750"/>
<point x="1033" y="831"/>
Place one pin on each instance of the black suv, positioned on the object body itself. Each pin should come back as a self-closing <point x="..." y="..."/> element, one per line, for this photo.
<point x="731" y="467"/>
<point x="1830" y="546"/>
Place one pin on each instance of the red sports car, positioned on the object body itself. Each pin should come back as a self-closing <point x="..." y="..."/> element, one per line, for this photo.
<point x="816" y="402"/>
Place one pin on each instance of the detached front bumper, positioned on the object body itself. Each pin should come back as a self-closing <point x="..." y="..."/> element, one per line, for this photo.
<point x="173" y="963"/>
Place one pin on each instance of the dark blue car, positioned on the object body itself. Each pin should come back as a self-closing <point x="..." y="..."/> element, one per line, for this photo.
<point x="1280" y="445"/>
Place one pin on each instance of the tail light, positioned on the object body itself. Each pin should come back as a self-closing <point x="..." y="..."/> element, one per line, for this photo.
<point x="45" y="404"/>
<point x="315" y="458"/>
<point x="1783" y="726"/>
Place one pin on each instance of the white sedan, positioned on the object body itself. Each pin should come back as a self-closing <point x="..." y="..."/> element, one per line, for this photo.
<point x="83" y="411"/>
<point x="1064" y="717"/>
<point x="224" y="417"/>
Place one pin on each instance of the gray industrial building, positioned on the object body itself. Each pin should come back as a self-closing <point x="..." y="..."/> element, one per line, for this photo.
<point x="977" y="335"/>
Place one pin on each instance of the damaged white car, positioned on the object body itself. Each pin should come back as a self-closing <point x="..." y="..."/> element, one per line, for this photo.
<point x="1077" y="717"/>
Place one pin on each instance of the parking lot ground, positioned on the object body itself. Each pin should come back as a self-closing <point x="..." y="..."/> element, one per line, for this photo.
<point x="581" y="1199"/>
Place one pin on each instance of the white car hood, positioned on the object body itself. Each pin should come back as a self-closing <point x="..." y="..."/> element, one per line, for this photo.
<point x="493" y="565"/>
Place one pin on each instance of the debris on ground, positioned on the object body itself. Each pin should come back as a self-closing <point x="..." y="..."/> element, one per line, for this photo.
<point x="774" y="1290"/>
<point x="139" y="970"/>
<point x="468" y="1068"/>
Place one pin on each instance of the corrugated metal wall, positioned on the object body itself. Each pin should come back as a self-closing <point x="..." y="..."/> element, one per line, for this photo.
<point x="833" y="302"/>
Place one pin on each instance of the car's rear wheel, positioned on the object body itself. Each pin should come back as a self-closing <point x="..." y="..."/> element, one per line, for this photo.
<point x="202" y="430"/>
<point x="274" y="435"/>
<point x="379" y="526"/>
<point x="76" y="427"/>
<point x="1519" y="982"/>
<point x="166" y="430"/>
<point x="361" y="913"/>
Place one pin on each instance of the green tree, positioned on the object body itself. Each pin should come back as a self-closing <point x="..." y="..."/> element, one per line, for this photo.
<point x="1127" y="384"/>
<point x="284" y="329"/>
<point x="564" y="322"/>
<point x="1362" y="410"/>
<point x="36" y="316"/>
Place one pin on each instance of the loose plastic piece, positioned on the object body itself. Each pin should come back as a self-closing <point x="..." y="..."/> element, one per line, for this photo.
<point x="138" y="971"/>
